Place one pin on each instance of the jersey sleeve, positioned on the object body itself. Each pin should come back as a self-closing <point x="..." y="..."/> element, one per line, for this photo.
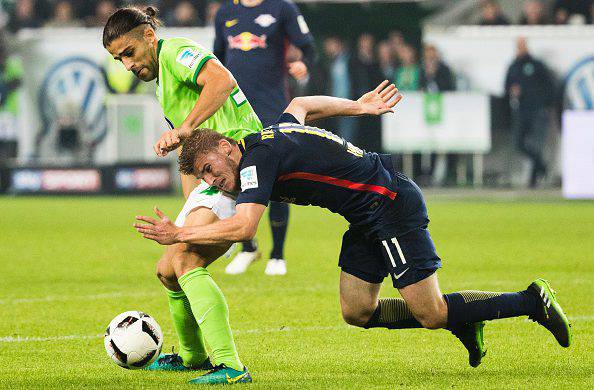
<point x="257" y="175"/>
<point x="295" y="25"/>
<point x="185" y="61"/>
<point x="285" y="117"/>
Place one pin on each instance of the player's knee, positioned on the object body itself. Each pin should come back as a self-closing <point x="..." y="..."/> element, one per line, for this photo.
<point x="357" y="317"/>
<point x="432" y="318"/>
<point x="169" y="281"/>
<point x="166" y="275"/>
<point x="185" y="257"/>
<point x="430" y="322"/>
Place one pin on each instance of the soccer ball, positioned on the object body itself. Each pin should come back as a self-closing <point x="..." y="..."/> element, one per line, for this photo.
<point x="133" y="340"/>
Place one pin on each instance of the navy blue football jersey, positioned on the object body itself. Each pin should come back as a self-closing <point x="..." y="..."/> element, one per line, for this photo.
<point x="251" y="42"/>
<point x="292" y="163"/>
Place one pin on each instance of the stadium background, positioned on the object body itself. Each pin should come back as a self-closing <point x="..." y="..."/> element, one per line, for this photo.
<point x="71" y="263"/>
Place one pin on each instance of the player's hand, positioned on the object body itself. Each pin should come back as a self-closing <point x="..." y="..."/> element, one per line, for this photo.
<point x="381" y="100"/>
<point x="297" y="69"/>
<point x="169" y="140"/>
<point x="161" y="230"/>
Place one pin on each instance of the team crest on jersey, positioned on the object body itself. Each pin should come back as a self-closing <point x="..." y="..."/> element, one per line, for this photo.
<point x="189" y="58"/>
<point x="248" y="178"/>
<point x="247" y="41"/>
<point x="265" y="20"/>
<point x="231" y="23"/>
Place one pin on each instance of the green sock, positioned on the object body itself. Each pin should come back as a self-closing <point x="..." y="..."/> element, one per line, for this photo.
<point x="191" y="342"/>
<point x="212" y="315"/>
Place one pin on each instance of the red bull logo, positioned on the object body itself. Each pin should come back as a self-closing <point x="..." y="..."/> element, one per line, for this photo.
<point x="247" y="41"/>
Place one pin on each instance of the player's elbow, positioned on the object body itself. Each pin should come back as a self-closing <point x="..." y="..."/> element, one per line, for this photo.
<point x="297" y="103"/>
<point x="298" y="108"/>
<point x="231" y="83"/>
<point x="219" y="78"/>
<point x="226" y="81"/>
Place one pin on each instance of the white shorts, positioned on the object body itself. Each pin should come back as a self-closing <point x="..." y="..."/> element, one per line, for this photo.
<point x="220" y="203"/>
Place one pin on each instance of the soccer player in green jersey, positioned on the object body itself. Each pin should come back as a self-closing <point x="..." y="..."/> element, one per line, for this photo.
<point x="194" y="89"/>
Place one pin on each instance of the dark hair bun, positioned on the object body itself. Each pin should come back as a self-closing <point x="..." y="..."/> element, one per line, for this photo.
<point x="126" y="19"/>
<point x="151" y="12"/>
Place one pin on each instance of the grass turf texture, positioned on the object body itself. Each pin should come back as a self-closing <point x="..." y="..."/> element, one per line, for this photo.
<point x="69" y="265"/>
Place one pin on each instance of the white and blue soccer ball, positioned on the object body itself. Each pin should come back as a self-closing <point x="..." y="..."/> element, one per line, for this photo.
<point x="133" y="340"/>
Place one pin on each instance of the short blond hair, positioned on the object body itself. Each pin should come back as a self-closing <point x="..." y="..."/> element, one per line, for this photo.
<point x="199" y="143"/>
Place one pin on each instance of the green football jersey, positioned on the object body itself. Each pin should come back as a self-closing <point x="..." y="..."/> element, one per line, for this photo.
<point x="180" y="61"/>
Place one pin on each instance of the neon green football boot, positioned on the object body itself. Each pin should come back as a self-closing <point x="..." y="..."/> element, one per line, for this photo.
<point x="174" y="362"/>
<point x="471" y="335"/>
<point x="550" y="314"/>
<point x="223" y="375"/>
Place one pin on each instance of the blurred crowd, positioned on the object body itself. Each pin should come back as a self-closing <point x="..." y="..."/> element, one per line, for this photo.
<point x="347" y="68"/>
<point x="539" y="12"/>
<point x="529" y="103"/>
<point x="528" y="107"/>
<point x="18" y="14"/>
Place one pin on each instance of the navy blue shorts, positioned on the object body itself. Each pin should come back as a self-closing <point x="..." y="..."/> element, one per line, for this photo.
<point x="408" y="258"/>
<point x="397" y="244"/>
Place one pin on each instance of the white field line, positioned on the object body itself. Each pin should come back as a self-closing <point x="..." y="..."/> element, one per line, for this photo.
<point x="581" y="318"/>
<point x="26" y="339"/>
<point x="144" y="294"/>
<point x="93" y="297"/>
<point x="493" y="284"/>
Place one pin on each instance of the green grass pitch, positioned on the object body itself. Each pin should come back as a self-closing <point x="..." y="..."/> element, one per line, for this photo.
<point x="69" y="265"/>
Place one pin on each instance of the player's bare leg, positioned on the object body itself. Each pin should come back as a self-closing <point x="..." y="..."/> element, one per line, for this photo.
<point x="192" y="351"/>
<point x="186" y="257"/>
<point x="426" y="302"/>
<point x="428" y="306"/>
<point x="361" y="307"/>
<point x="460" y="311"/>
<point x="208" y="304"/>
<point x="165" y="271"/>
<point x="201" y="312"/>
<point x="358" y="299"/>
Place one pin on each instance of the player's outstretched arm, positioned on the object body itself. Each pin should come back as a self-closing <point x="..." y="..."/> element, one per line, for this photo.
<point x="377" y="102"/>
<point x="217" y="84"/>
<point x="241" y="227"/>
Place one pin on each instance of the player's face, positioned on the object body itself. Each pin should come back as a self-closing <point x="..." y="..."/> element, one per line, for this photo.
<point x="217" y="169"/>
<point x="138" y="54"/>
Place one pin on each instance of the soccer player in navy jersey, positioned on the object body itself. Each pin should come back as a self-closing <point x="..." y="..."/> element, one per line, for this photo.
<point x="388" y="219"/>
<point x="252" y="37"/>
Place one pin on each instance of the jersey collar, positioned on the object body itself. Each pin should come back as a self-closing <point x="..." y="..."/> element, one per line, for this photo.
<point x="241" y="144"/>
<point x="159" y="44"/>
